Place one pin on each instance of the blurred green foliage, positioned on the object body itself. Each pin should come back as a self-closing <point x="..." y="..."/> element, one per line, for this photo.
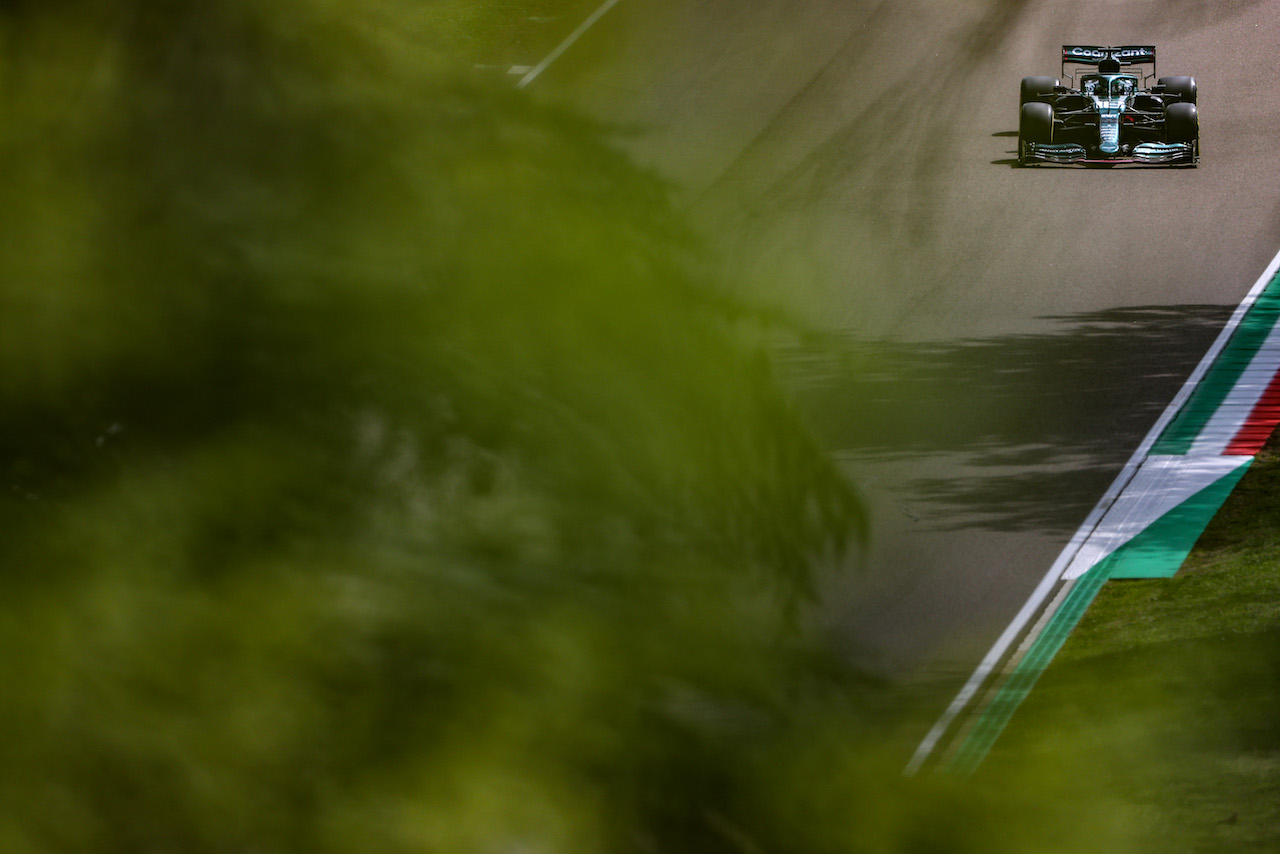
<point x="378" y="477"/>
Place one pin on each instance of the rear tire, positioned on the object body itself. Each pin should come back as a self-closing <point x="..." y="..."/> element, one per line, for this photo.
<point x="1035" y="124"/>
<point x="1037" y="89"/>
<point x="1182" y="88"/>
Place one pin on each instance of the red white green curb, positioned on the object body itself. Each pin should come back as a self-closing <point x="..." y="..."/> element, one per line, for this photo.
<point x="1147" y="522"/>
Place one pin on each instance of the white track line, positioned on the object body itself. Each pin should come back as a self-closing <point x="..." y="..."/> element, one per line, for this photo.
<point x="564" y="45"/>
<point x="1051" y="578"/>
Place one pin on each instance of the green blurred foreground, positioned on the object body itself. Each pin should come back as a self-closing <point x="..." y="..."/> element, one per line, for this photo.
<point x="378" y="478"/>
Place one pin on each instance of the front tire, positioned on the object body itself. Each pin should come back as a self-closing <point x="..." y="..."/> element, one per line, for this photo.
<point x="1035" y="125"/>
<point x="1181" y="123"/>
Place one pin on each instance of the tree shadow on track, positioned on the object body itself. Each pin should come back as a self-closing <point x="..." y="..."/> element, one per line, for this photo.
<point x="1039" y="424"/>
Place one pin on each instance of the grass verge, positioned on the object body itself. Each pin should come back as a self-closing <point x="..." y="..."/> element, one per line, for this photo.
<point x="1162" y="706"/>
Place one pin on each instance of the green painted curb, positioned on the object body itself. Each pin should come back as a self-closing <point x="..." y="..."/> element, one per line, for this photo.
<point x="995" y="717"/>
<point x="1157" y="552"/>
<point x="1160" y="550"/>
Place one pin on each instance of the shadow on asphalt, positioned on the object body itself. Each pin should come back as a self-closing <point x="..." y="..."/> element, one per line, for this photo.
<point x="1008" y="161"/>
<point x="1039" y="424"/>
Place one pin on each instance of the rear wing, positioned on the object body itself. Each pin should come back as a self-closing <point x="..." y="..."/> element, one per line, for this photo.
<point x="1130" y="54"/>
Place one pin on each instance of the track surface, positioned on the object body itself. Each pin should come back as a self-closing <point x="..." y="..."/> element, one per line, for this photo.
<point x="1022" y="328"/>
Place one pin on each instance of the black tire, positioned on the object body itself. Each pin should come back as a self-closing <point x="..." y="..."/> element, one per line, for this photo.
<point x="1181" y="123"/>
<point x="1037" y="89"/>
<point x="1035" y="124"/>
<point x="1182" y="88"/>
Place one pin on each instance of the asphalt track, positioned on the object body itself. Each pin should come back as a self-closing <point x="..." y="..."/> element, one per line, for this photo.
<point x="1017" y="331"/>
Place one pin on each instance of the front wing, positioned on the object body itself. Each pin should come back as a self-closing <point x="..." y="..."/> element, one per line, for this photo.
<point x="1151" y="153"/>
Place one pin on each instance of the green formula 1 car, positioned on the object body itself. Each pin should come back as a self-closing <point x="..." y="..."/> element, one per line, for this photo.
<point x="1114" y="110"/>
